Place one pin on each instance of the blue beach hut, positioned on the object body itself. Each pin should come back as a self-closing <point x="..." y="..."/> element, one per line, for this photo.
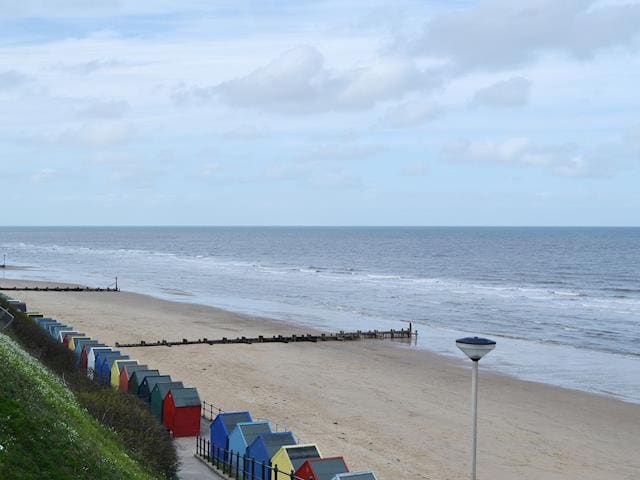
<point x="106" y="364"/>
<point x="244" y="434"/>
<point x="40" y="320"/>
<point x="99" y="356"/>
<point x="55" y="330"/>
<point x="48" y="326"/>
<point x="46" y="322"/>
<point x="222" y="427"/>
<point x="264" y="447"/>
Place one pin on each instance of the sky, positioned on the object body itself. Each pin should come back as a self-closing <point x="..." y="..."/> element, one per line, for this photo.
<point x="320" y="112"/>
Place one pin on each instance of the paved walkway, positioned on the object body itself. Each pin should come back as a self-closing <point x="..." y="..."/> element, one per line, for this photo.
<point x="190" y="467"/>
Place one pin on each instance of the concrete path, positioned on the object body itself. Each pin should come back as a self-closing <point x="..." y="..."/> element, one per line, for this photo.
<point x="190" y="467"/>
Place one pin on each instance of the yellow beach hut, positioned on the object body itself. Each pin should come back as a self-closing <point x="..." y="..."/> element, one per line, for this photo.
<point x="290" y="457"/>
<point x="72" y="341"/>
<point x="116" y="368"/>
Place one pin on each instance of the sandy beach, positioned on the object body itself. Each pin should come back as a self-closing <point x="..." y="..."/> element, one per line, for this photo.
<point x="400" y="411"/>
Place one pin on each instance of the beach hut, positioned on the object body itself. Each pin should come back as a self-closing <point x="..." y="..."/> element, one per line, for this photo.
<point x="80" y="347"/>
<point x="46" y="322"/>
<point x="34" y="315"/>
<point x="61" y="334"/>
<point x="291" y="457"/>
<point x="149" y="383"/>
<point x="116" y="368"/>
<point x="86" y="351"/>
<point x="72" y="341"/>
<point x="40" y="320"/>
<point x="181" y="412"/>
<point x="18" y="305"/>
<point x="54" y="328"/>
<point x="49" y="325"/>
<point x="243" y="435"/>
<point x="322" y="468"/>
<point x="158" y="394"/>
<point x="104" y="368"/>
<point x="221" y="428"/>
<point x="135" y="380"/>
<point x="100" y="356"/>
<point x="264" y="447"/>
<point x="91" y="358"/>
<point x="66" y="336"/>
<point x="356" y="476"/>
<point x="126" y="373"/>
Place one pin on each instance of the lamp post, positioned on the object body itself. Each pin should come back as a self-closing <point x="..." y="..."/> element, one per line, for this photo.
<point x="475" y="348"/>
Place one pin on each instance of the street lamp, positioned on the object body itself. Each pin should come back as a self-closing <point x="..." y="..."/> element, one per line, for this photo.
<point x="475" y="348"/>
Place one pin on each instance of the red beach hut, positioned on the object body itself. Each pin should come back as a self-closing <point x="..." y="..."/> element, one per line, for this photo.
<point x="321" y="468"/>
<point x="181" y="412"/>
<point x="125" y="375"/>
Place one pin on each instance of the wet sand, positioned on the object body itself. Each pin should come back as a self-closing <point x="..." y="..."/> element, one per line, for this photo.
<point x="400" y="411"/>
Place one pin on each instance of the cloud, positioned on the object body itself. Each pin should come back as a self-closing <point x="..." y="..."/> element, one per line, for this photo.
<point x="411" y="113"/>
<point x="513" y="92"/>
<point x="566" y="160"/>
<point x="297" y="81"/>
<point x="41" y="176"/>
<point x="108" y="109"/>
<point x="101" y="134"/>
<point x="87" y="68"/>
<point x="415" y="169"/>
<point x="11" y="79"/>
<point x="501" y="34"/>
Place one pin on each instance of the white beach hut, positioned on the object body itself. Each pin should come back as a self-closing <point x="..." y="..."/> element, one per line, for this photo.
<point x="91" y="359"/>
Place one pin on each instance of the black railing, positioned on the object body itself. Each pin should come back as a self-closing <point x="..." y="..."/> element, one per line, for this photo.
<point x="239" y="467"/>
<point x="209" y="411"/>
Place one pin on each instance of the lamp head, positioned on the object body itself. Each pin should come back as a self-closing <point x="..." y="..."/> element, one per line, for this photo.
<point x="475" y="348"/>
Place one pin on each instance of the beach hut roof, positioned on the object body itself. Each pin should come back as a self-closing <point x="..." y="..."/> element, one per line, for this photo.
<point x="299" y="453"/>
<point x="111" y="359"/>
<point x="231" y="419"/>
<point x="327" y="468"/>
<point x="152" y="381"/>
<point x="274" y="441"/>
<point x="123" y="362"/>
<point x="138" y="374"/>
<point x="356" y="476"/>
<point x="251" y="430"/>
<point x="185" y="397"/>
<point x="164" y="388"/>
<point x="132" y="368"/>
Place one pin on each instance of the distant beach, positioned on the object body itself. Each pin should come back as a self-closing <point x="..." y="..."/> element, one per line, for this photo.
<point x="402" y="412"/>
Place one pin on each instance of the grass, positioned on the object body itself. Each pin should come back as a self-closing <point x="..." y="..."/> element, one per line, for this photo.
<point x="45" y="433"/>
<point x="125" y="416"/>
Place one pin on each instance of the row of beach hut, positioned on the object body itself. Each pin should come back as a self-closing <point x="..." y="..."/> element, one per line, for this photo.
<point x="175" y="406"/>
<point x="247" y="444"/>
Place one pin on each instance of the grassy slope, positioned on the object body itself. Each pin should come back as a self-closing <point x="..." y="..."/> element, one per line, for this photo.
<point x="43" y="431"/>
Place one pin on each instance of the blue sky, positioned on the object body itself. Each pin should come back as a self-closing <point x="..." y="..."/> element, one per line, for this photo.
<point x="336" y="112"/>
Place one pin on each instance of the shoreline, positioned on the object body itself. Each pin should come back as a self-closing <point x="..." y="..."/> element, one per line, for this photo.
<point x="358" y="399"/>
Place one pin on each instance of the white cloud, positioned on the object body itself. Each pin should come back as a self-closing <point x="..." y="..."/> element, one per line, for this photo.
<point x="12" y="79"/>
<point x="411" y="113"/>
<point x="415" y="169"/>
<point x="500" y="34"/>
<point x="101" y="134"/>
<point x="298" y="81"/>
<point x="41" y="176"/>
<point x="567" y="160"/>
<point x="107" y="109"/>
<point x="513" y="92"/>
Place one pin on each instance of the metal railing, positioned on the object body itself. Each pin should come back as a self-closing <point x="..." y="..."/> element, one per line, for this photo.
<point x="239" y="467"/>
<point x="209" y="411"/>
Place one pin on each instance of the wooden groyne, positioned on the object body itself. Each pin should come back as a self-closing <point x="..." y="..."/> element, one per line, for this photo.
<point x="323" y="337"/>
<point x="59" y="289"/>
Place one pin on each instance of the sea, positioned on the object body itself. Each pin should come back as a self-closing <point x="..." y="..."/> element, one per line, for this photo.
<point x="563" y="304"/>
